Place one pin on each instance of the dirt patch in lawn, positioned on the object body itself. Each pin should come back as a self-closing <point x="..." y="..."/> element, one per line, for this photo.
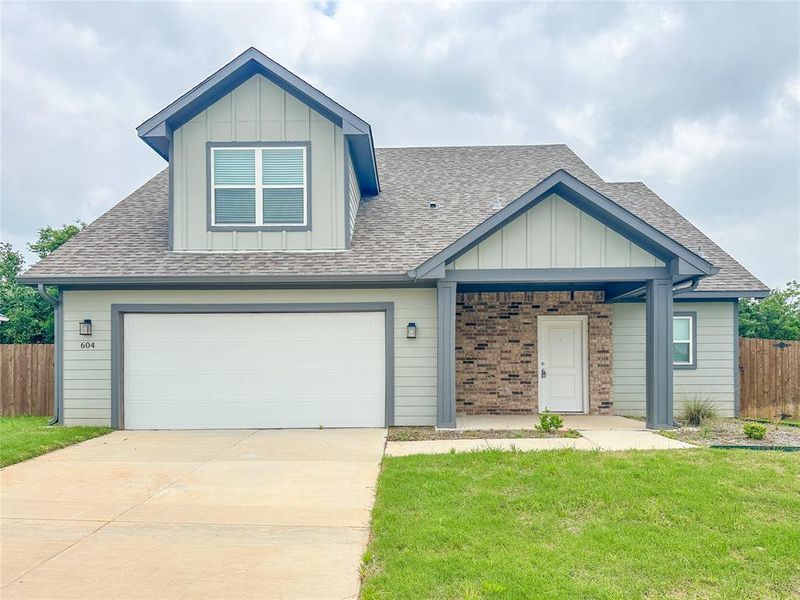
<point x="417" y="434"/>
<point x="730" y="432"/>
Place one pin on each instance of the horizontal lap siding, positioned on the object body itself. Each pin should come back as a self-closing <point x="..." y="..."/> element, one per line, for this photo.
<point x="87" y="373"/>
<point x="714" y="378"/>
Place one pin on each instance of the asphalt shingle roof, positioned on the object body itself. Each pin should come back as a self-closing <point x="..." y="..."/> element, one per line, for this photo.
<point x="394" y="232"/>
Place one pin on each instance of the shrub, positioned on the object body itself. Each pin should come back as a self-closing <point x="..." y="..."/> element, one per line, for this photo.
<point x="549" y="422"/>
<point x="755" y="431"/>
<point x="696" y="411"/>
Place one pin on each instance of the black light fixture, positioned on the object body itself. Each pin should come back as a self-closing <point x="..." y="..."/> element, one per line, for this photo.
<point x="411" y="331"/>
<point x="85" y="327"/>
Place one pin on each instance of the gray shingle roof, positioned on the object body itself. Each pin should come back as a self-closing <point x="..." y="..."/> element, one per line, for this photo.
<point x="394" y="232"/>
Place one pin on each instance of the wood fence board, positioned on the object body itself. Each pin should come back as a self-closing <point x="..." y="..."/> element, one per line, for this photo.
<point x="769" y="378"/>
<point x="27" y="379"/>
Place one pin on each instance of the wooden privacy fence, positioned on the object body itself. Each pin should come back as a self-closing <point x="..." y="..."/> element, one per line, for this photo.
<point x="769" y="372"/>
<point x="26" y="379"/>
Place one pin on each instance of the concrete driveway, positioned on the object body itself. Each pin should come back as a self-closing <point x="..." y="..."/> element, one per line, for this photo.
<point x="191" y="514"/>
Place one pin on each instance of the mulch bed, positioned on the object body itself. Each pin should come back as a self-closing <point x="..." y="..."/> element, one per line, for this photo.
<point x="730" y="432"/>
<point x="417" y="434"/>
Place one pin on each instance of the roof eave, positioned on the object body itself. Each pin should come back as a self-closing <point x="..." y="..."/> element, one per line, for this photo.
<point x="179" y="280"/>
<point x="725" y="294"/>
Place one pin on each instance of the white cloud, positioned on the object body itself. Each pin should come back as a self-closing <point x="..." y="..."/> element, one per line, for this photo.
<point x="689" y="145"/>
<point x="638" y="26"/>
<point x="579" y="124"/>
<point x="784" y="107"/>
<point x="758" y="241"/>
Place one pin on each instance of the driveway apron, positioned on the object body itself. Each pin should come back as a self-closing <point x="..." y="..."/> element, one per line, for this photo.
<point x="191" y="514"/>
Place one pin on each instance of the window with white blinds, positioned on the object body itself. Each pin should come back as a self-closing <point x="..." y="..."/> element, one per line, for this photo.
<point x="259" y="186"/>
<point x="683" y="340"/>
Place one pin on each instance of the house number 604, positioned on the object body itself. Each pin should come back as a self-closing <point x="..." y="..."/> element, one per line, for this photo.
<point x="87" y="344"/>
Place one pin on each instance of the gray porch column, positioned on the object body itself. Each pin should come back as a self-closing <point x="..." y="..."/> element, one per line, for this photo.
<point x="446" y="354"/>
<point x="658" y="342"/>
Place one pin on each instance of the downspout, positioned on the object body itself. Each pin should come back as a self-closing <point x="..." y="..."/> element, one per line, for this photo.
<point x="56" y="304"/>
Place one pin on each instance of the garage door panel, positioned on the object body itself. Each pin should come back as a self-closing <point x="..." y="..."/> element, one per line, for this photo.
<point x="234" y="414"/>
<point x="241" y="356"/>
<point x="267" y="382"/>
<point x="254" y="370"/>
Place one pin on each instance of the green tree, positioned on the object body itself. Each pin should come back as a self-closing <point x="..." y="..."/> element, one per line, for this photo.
<point x="776" y="317"/>
<point x="30" y="318"/>
<point x="51" y="239"/>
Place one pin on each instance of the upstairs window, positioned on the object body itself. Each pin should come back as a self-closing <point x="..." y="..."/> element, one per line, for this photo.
<point x="259" y="186"/>
<point x="683" y="340"/>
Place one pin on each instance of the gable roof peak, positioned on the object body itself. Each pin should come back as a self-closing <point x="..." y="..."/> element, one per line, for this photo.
<point x="157" y="130"/>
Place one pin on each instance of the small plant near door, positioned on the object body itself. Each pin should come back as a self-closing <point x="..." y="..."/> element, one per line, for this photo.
<point x="549" y="422"/>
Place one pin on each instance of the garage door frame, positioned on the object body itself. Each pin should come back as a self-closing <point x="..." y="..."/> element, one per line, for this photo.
<point x="118" y="312"/>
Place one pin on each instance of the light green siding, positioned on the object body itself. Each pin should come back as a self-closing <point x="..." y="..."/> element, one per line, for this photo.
<point x="353" y="193"/>
<point x="554" y="234"/>
<point x="714" y="378"/>
<point x="87" y="372"/>
<point x="258" y="111"/>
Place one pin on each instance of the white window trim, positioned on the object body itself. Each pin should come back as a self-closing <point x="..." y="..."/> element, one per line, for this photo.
<point x="690" y="340"/>
<point x="259" y="187"/>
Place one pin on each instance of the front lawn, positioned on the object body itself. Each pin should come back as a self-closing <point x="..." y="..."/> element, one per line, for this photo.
<point x="22" y="438"/>
<point x="568" y="524"/>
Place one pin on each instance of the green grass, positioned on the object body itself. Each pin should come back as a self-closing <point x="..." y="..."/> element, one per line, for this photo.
<point x="22" y="438"/>
<point x="569" y="524"/>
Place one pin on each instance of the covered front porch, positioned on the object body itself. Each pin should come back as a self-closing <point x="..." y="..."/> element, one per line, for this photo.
<point x="507" y="350"/>
<point x="562" y="250"/>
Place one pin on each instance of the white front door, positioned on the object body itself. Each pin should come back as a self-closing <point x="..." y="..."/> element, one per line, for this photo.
<point x="562" y="364"/>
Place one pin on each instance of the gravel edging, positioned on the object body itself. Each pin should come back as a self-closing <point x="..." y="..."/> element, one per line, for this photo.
<point x="419" y="434"/>
<point x="730" y="432"/>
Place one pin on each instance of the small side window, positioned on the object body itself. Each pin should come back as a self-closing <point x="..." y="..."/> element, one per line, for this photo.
<point x="683" y="342"/>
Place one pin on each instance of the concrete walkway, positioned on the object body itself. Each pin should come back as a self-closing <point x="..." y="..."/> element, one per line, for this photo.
<point x="191" y="514"/>
<point x="579" y="422"/>
<point x="606" y="433"/>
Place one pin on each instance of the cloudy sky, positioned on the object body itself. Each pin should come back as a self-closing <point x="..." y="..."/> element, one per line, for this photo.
<point x="701" y="101"/>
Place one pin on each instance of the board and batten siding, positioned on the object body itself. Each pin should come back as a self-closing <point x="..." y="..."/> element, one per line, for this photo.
<point x="87" y="372"/>
<point x="554" y="234"/>
<point x="714" y="379"/>
<point x="258" y="111"/>
<point x="353" y="194"/>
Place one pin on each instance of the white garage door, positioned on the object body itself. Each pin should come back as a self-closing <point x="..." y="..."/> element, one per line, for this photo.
<point x="215" y="371"/>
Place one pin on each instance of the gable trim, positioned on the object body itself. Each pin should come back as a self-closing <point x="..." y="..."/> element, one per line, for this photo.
<point x="680" y="259"/>
<point x="156" y="131"/>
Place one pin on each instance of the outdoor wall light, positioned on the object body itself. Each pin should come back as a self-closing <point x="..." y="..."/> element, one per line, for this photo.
<point x="411" y="331"/>
<point x="85" y="327"/>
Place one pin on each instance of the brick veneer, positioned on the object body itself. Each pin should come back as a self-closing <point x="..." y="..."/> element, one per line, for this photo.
<point x="496" y="349"/>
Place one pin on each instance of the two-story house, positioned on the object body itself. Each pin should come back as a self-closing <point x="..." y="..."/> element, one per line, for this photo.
<point x="284" y="272"/>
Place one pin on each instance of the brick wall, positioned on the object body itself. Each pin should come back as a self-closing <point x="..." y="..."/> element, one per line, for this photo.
<point x="496" y="349"/>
